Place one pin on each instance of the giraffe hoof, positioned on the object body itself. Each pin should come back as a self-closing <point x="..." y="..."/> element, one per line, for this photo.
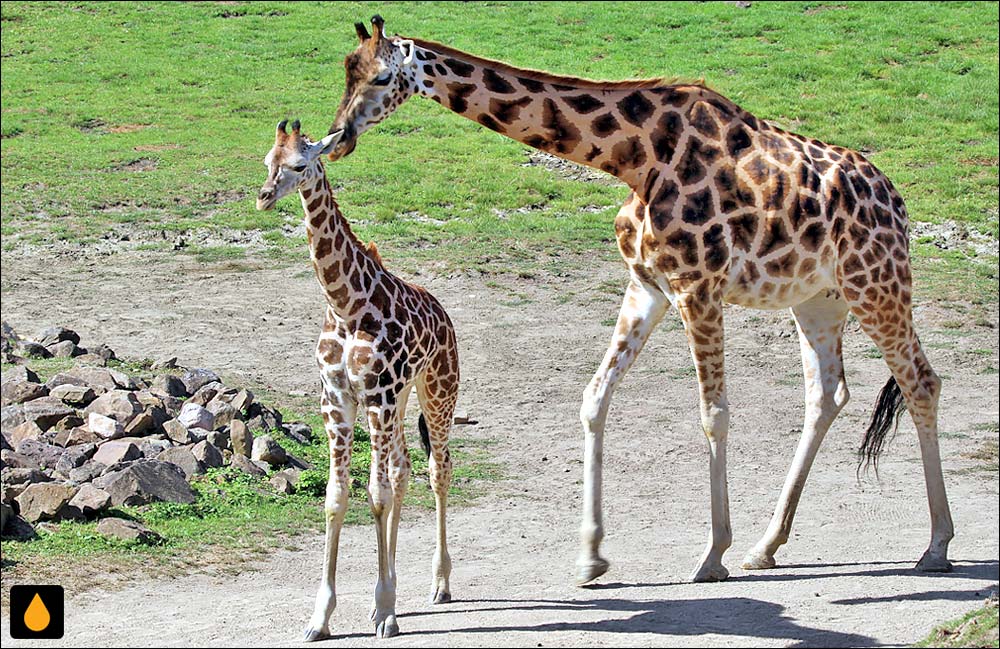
<point x="387" y="628"/>
<point x="441" y="597"/>
<point x="933" y="563"/>
<point x="709" y="573"/>
<point x="758" y="561"/>
<point x="590" y="570"/>
<point x="313" y="634"/>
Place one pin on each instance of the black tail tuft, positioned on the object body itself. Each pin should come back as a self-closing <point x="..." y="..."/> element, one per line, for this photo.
<point x="425" y="436"/>
<point x="888" y="408"/>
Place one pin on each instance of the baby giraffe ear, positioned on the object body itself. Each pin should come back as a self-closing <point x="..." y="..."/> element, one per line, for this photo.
<point x="326" y="145"/>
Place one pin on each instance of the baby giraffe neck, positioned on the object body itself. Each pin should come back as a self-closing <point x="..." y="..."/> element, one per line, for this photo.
<point x="346" y="270"/>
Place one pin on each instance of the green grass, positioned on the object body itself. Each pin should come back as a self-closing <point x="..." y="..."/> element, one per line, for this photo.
<point x="975" y="629"/>
<point x="155" y="116"/>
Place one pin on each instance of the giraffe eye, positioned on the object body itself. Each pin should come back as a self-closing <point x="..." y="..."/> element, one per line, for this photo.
<point x="382" y="81"/>
<point x="299" y="169"/>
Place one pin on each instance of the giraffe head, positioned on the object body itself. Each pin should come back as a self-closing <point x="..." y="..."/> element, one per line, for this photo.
<point x="293" y="161"/>
<point x="377" y="82"/>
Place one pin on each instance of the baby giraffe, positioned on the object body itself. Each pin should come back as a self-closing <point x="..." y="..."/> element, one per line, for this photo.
<point x="382" y="336"/>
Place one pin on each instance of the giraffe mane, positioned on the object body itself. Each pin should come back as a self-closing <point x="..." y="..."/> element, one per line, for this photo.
<point x="548" y="77"/>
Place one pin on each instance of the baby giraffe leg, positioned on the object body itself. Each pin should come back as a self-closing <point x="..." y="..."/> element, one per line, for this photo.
<point x="338" y="411"/>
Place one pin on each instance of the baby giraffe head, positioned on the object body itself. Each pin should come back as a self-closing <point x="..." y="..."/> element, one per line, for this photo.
<point x="292" y="162"/>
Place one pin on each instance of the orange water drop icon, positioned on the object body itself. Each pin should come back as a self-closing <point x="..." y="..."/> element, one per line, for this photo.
<point x="37" y="617"/>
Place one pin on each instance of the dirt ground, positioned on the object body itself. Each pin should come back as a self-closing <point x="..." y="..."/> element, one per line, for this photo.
<point x="529" y="347"/>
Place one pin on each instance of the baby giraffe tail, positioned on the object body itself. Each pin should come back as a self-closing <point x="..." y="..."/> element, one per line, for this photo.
<point x="888" y="408"/>
<point x="425" y="436"/>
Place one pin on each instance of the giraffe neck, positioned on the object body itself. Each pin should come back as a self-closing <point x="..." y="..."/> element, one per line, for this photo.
<point x="346" y="268"/>
<point x="606" y="125"/>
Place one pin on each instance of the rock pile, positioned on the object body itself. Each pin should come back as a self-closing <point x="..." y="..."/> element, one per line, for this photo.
<point x="93" y="437"/>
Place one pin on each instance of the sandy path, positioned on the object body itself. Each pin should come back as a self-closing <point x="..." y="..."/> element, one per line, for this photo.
<point x="528" y="351"/>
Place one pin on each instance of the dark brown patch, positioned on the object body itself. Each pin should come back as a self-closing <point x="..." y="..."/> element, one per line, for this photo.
<point x="783" y="266"/>
<point x="495" y="83"/>
<point x="742" y="231"/>
<point x="647" y="185"/>
<point x="691" y="167"/>
<point x="460" y="68"/>
<point x="737" y="140"/>
<point x="758" y="170"/>
<point x="699" y="208"/>
<point x="625" y="232"/>
<point x="700" y="116"/>
<point x="775" y="236"/>
<point x="812" y="237"/>
<point x="635" y="108"/>
<point x="716" y="250"/>
<point x="733" y="192"/>
<point x="490" y="123"/>
<point x="629" y="153"/>
<point x="531" y="85"/>
<point x="565" y="136"/>
<point x="584" y="104"/>
<point x="507" y="111"/>
<point x="593" y="153"/>
<point x="604" y="125"/>
<point x="323" y="247"/>
<point x="674" y="97"/>
<point x="662" y="205"/>
<point x="665" y="136"/>
<point x="457" y="93"/>
<point x="774" y="192"/>
<point x="686" y="245"/>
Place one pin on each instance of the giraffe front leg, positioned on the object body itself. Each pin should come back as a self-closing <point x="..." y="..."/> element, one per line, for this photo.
<point x="641" y="310"/>
<point x="338" y="419"/>
<point x="704" y="328"/>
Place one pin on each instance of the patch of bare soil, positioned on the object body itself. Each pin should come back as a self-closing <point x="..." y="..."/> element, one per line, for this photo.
<point x="845" y="578"/>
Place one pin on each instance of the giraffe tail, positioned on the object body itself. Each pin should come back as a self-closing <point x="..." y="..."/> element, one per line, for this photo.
<point x="425" y="436"/>
<point x="889" y="406"/>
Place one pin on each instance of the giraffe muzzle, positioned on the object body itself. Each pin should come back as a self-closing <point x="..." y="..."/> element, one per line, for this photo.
<point x="265" y="199"/>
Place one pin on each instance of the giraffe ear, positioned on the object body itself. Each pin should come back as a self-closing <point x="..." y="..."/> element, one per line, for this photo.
<point x="407" y="48"/>
<point x="378" y="24"/>
<point x="363" y="34"/>
<point x="326" y="145"/>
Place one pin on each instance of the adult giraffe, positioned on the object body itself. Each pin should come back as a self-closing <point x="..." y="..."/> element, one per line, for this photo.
<point x="724" y="208"/>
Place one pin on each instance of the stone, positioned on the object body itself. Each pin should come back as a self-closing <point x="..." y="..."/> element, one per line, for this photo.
<point x="33" y="350"/>
<point x="169" y="385"/>
<point x="6" y="513"/>
<point x="104" y="427"/>
<point x="18" y="529"/>
<point x="125" y="530"/>
<point x="207" y="454"/>
<point x="194" y="416"/>
<point x="282" y="484"/>
<point x="206" y="393"/>
<point x="11" y="416"/>
<point x="65" y="349"/>
<point x="27" y="430"/>
<point x="182" y="457"/>
<point x="13" y="476"/>
<point x="86" y="472"/>
<point x="75" y="456"/>
<point x="146" y="481"/>
<point x="240" y="439"/>
<point x="165" y="363"/>
<point x="89" y="500"/>
<point x="104" y="352"/>
<point x="300" y="432"/>
<point x="199" y="434"/>
<point x="177" y="431"/>
<point x="151" y="446"/>
<point x="20" y="373"/>
<point x="21" y="391"/>
<point x="81" y="435"/>
<point x="246" y="465"/>
<point x="74" y="395"/>
<point x="265" y="449"/>
<point x="224" y="413"/>
<point x="65" y="425"/>
<point x="45" y="455"/>
<point x="102" y="377"/>
<point x="53" y="335"/>
<point x="194" y="379"/>
<point x="242" y="401"/>
<point x="142" y="424"/>
<point x="46" y="501"/>
<point x="11" y="458"/>
<point x="298" y="463"/>
<point x="91" y="360"/>
<point x="121" y="405"/>
<point x="219" y="439"/>
<point x="46" y="411"/>
<point x="65" y="378"/>
<point x="110" y="453"/>
<point x="172" y="406"/>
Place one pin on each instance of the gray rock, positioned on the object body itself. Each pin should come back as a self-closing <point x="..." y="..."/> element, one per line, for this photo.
<point x="267" y="450"/>
<point x="75" y="395"/>
<point x="21" y="373"/>
<point x="90" y="361"/>
<point x="142" y="424"/>
<point x="194" y="416"/>
<point x="102" y="377"/>
<point x="298" y="463"/>
<point x="219" y="439"/>
<point x="65" y="424"/>
<point x="194" y="379"/>
<point x="45" y="455"/>
<point x="151" y="447"/>
<point x="199" y="434"/>
<point x="18" y="529"/>
<point x="241" y="439"/>
<point x="263" y="418"/>
<point x="11" y="416"/>
<point x="89" y="500"/>
<point x="75" y="456"/>
<point x="6" y="513"/>
<point x="224" y="413"/>
<point x="242" y="401"/>
<point x="53" y="335"/>
<point x="206" y="393"/>
<point x="46" y="411"/>
<point x="27" y="430"/>
<point x="113" y="452"/>
<point x="81" y="436"/>
<point x="282" y="484"/>
<point x="13" y="476"/>
<point x="300" y="432"/>
<point x="104" y="427"/>
<point x="104" y="352"/>
<point x="121" y="405"/>
<point x="12" y="392"/>
<point x="125" y="530"/>
<point x="16" y="460"/>
<point x="146" y="481"/>
<point x="87" y="471"/>
<point x="33" y="350"/>
<point x="46" y="501"/>
<point x="184" y="458"/>
<point x="177" y="431"/>
<point x="172" y="406"/>
<point x="170" y="385"/>
<point x="207" y="454"/>
<point x="65" y="349"/>
<point x="165" y="363"/>
<point x="246" y="465"/>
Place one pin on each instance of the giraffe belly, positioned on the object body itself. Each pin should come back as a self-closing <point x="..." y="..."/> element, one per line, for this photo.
<point x="751" y="289"/>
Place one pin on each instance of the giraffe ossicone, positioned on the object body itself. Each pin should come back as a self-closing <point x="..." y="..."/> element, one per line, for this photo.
<point x="381" y="337"/>
<point x="724" y="208"/>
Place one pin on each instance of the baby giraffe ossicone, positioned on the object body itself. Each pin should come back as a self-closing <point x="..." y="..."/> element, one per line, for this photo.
<point x="382" y="336"/>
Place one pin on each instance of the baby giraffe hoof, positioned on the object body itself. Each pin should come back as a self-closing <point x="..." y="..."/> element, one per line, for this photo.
<point x="757" y="561"/>
<point x="440" y="597"/>
<point x="313" y="634"/>
<point x="708" y="573"/>
<point x="590" y="570"/>
<point x="933" y="563"/>
<point x="387" y="628"/>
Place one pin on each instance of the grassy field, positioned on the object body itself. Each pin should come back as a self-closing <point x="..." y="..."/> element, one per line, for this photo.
<point x="150" y="117"/>
<point x="975" y="629"/>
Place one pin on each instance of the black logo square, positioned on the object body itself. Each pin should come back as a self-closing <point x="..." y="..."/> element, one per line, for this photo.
<point x="36" y="612"/>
